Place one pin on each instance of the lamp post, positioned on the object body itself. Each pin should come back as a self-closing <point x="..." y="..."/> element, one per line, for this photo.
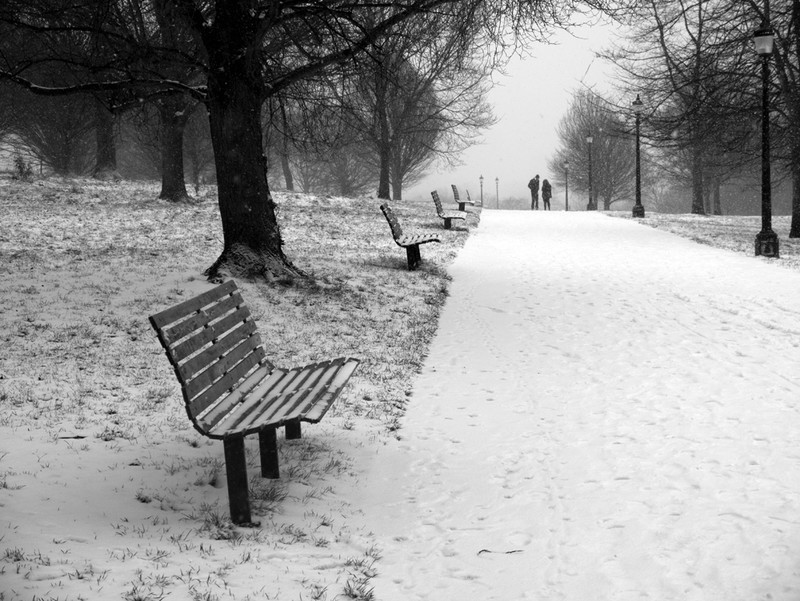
<point x="497" y="191"/>
<point x="766" y="239"/>
<point x="638" y="209"/>
<point x="566" y="185"/>
<point x="481" y="180"/>
<point x="591" y="206"/>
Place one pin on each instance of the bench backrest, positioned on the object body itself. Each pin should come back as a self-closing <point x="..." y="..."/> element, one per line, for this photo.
<point x="397" y="231"/>
<point x="468" y="198"/>
<point x="437" y="202"/>
<point x="455" y="193"/>
<point x="212" y="342"/>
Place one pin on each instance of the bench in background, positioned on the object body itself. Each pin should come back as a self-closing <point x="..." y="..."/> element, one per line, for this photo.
<point x="447" y="216"/>
<point x="461" y="203"/>
<point x="410" y="242"/>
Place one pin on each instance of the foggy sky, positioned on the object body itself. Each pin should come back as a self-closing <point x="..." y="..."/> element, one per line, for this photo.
<point x="528" y="101"/>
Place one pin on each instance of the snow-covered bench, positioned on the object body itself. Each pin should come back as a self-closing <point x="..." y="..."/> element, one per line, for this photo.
<point x="447" y="216"/>
<point x="410" y="242"/>
<point x="230" y="388"/>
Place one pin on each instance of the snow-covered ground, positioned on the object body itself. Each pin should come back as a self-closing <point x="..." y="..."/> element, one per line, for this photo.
<point x="607" y="412"/>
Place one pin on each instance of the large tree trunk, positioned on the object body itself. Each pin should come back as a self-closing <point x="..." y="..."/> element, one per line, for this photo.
<point x="105" y="149"/>
<point x="252" y="244"/>
<point x="173" y="112"/>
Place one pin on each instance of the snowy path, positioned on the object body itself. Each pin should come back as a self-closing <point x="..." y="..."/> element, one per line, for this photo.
<point x="608" y="412"/>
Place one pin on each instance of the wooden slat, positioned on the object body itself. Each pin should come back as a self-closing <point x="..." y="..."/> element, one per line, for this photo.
<point x="245" y="414"/>
<point x="211" y="395"/>
<point x="315" y="413"/>
<point x="229" y="404"/>
<point x="199" y="362"/>
<point x="259" y="404"/>
<point x="174" y="313"/>
<point x="394" y="224"/>
<point x="203" y="318"/>
<point x="180" y="351"/>
<point x="223" y="366"/>
<point x="307" y="392"/>
<point x="288" y="405"/>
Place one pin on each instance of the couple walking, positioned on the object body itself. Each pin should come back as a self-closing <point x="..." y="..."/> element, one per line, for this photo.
<point x="547" y="193"/>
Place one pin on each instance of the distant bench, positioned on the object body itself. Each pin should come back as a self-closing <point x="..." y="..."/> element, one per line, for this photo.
<point x="447" y="216"/>
<point x="461" y="203"/>
<point x="231" y="390"/>
<point x="410" y="242"/>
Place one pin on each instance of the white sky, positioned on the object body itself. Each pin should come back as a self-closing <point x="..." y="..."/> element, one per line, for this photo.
<point x="529" y="102"/>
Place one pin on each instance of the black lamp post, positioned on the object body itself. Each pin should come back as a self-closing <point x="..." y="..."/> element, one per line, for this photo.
<point x="638" y="209"/>
<point x="766" y="239"/>
<point x="481" y="180"/>
<point x="497" y="191"/>
<point x="566" y="185"/>
<point x="591" y="206"/>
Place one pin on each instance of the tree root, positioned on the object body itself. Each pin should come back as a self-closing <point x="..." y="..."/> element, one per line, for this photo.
<point x="241" y="261"/>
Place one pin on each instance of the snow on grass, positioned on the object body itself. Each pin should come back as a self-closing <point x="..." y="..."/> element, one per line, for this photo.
<point x="106" y="490"/>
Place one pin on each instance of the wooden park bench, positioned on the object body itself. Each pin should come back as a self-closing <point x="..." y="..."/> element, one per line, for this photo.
<point x="230" y="388"/>
<point x="410" y="242"/>
<point x="447" y="216"/>
<point x="461" y="203"/>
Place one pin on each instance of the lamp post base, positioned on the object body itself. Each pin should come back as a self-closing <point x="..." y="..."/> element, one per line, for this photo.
<point x="767" y="244"/>
<point x="638" y="210"/>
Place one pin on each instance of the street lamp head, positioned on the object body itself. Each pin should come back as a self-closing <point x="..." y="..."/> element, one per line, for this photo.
<point x="763" y="38"/>
<point x="481" y="178"/>
<point x="589" y="139"/>
<point x="638" y="105"/>
<point x="566" y="164"/>
<point x="497" y="179"/>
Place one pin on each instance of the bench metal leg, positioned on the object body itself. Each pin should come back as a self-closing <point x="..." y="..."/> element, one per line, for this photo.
<point x="447" y="223"/>
<point x="413" y="256"/>
<point x="293" y="430"/>
<point x="461" y="206"/>
<point x="268" y="449"/>
<point x="236" y="468"/>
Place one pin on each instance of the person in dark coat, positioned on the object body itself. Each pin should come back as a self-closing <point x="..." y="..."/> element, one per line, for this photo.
<point x="547" y="193"/>
<point x="534" y="187"/>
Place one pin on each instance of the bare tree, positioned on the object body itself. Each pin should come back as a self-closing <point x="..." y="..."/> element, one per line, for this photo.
<point x="612" y="151"/>
<point x="688" y="58"/>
